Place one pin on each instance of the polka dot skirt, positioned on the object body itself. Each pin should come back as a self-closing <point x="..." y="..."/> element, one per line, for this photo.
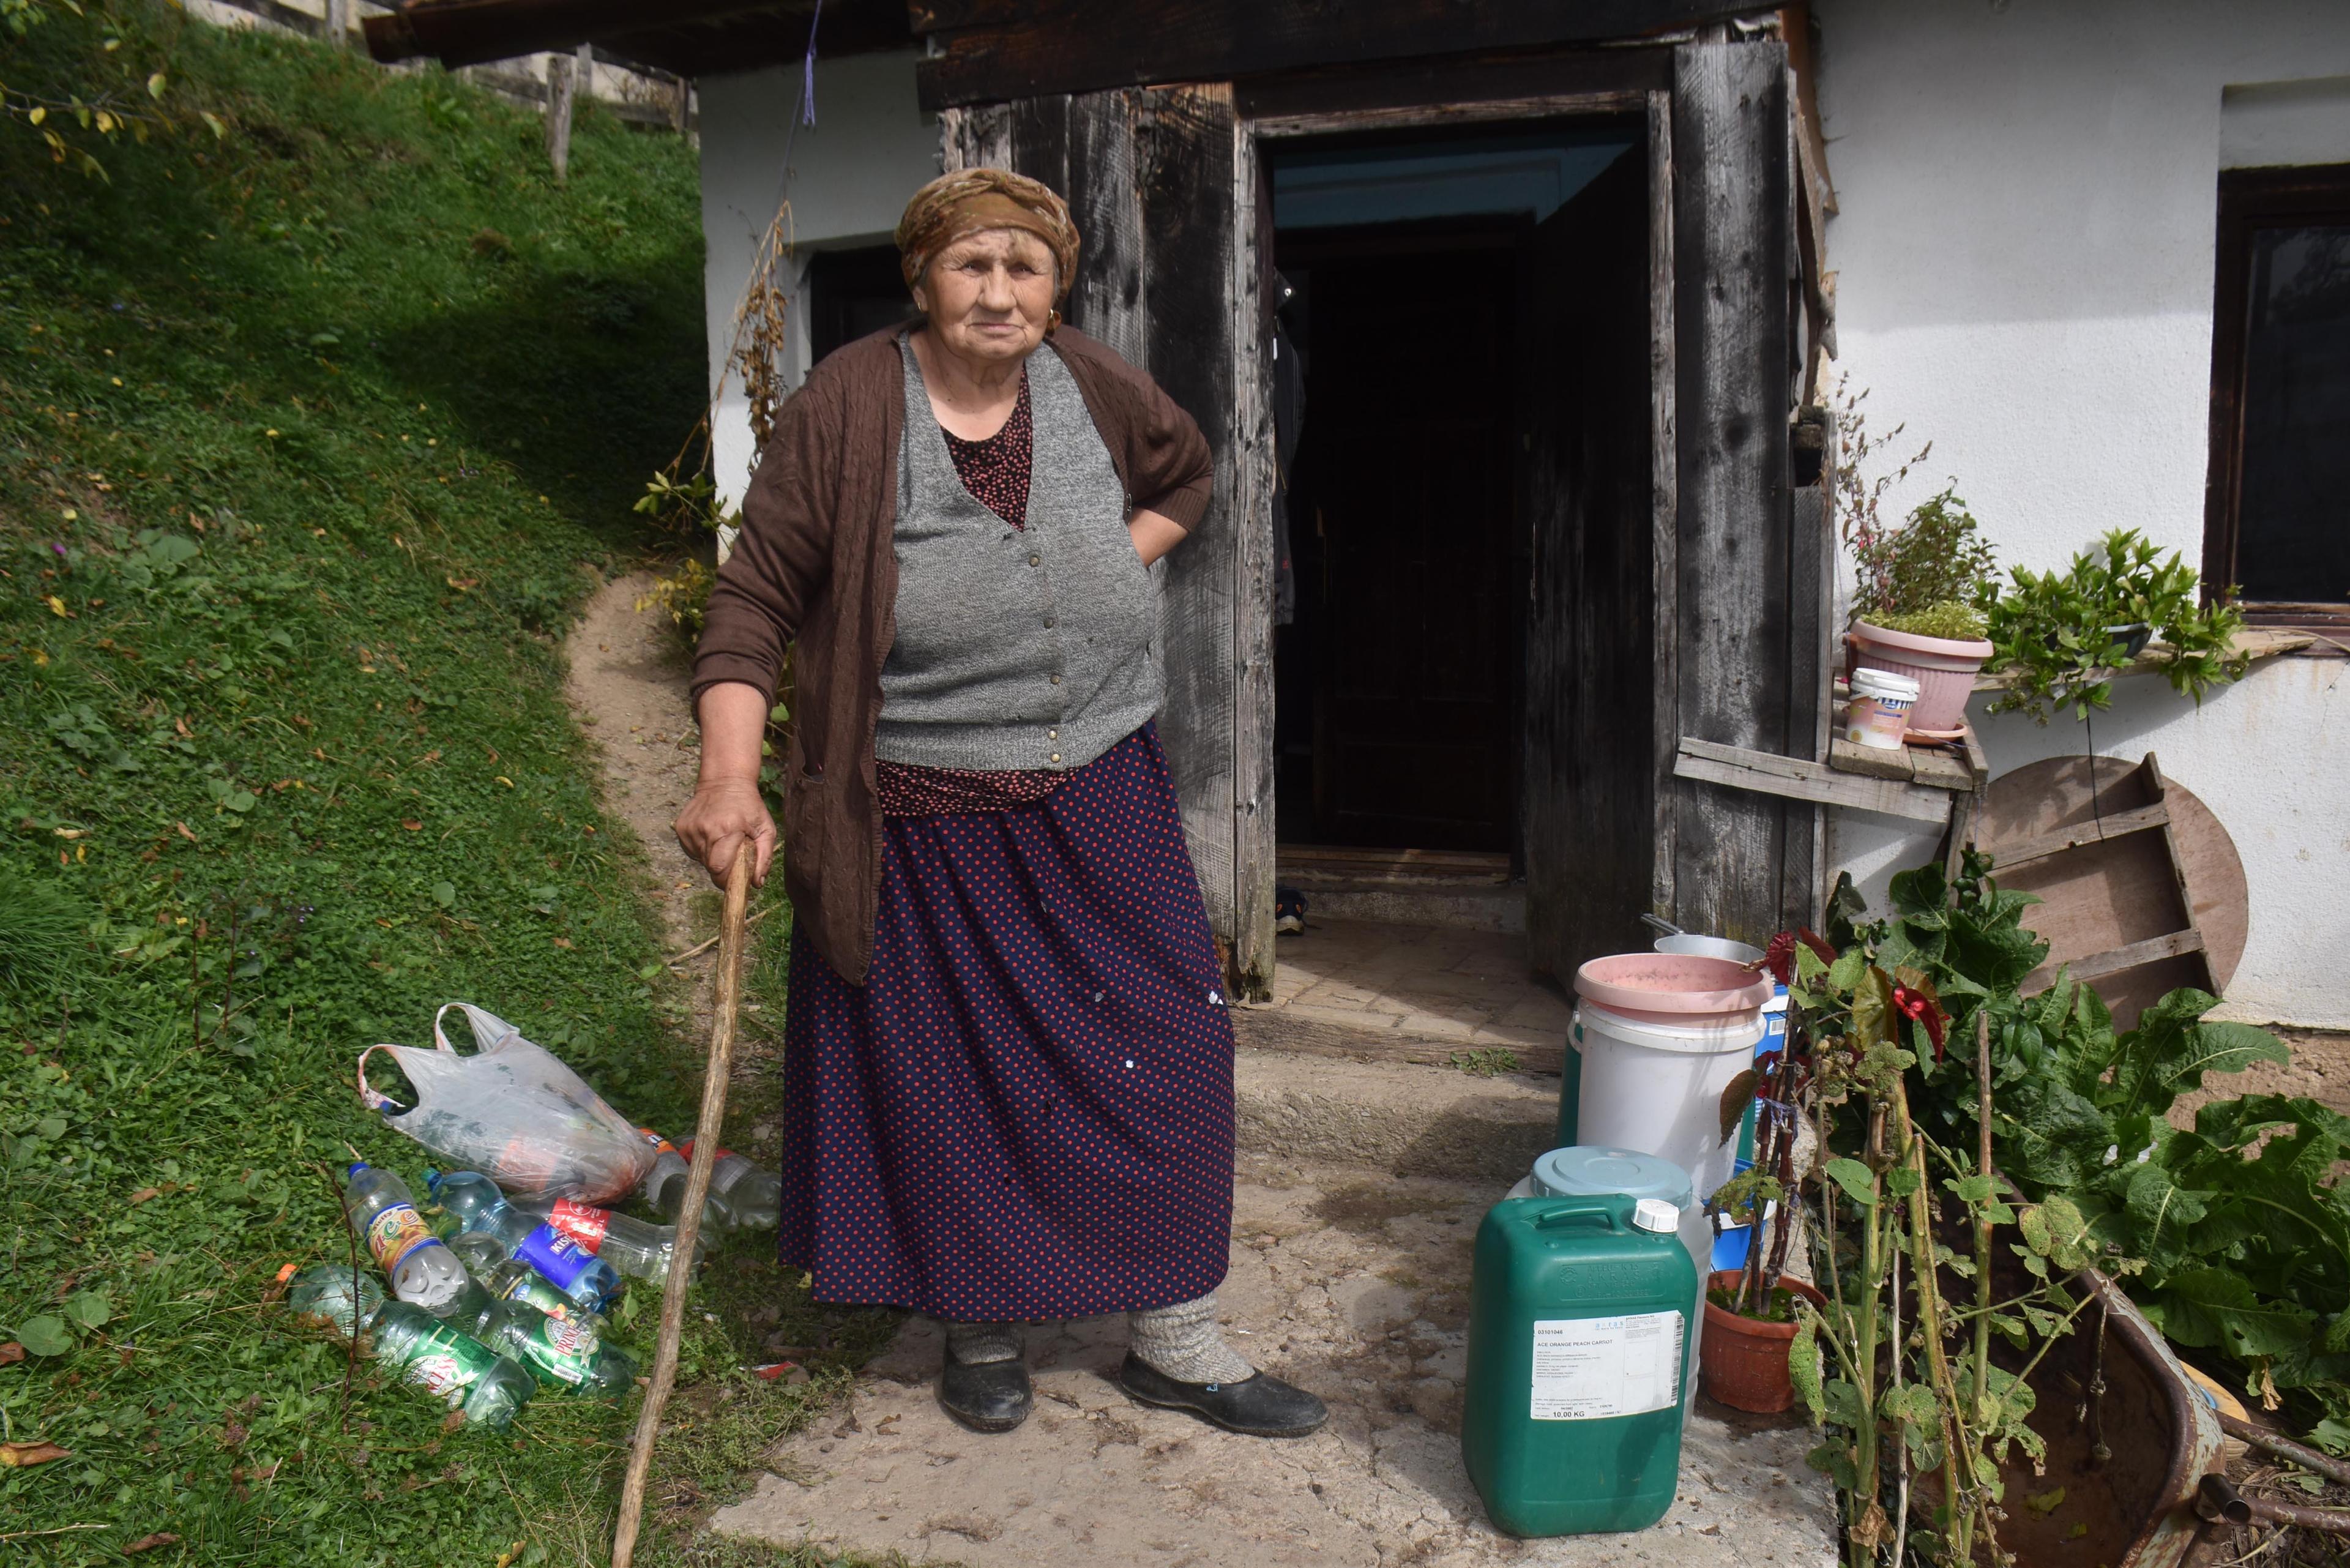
<point x="1027" y="1111"/>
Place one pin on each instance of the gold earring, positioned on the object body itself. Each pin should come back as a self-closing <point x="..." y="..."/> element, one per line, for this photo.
<point x="1052" y="320"/>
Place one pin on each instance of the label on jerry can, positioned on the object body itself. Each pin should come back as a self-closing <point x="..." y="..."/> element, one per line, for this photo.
<point x="1591" y="1368"/>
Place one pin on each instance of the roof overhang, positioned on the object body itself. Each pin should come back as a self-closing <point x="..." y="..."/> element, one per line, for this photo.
<point x="686" y="38"/>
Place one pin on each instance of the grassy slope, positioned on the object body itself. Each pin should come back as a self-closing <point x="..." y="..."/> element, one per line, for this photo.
<point x="309" y="440"/>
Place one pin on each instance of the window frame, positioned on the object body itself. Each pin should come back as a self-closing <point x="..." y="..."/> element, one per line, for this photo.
<point x="2252" y="198"/>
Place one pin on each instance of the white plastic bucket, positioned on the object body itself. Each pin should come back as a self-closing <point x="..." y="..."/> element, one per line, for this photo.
<point x="1658" y="1087"/>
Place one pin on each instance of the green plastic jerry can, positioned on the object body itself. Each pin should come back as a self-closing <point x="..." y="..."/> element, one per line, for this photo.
<point x="1579" y="1342"/>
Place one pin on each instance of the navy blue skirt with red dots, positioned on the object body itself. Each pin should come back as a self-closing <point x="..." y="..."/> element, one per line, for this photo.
<point x="1026" y="1110"/>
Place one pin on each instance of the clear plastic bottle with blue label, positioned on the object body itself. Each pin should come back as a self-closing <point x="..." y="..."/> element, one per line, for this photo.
<point x="570" y="1268"/>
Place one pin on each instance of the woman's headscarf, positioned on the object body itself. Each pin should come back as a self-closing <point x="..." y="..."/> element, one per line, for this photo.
<point x="965" y="203"/>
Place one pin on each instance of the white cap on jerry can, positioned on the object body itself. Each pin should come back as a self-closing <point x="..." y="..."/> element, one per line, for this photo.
<point x="1656" y="1214"/>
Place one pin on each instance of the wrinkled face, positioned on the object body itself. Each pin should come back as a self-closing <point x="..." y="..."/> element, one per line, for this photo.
<point x="990" y="294"/>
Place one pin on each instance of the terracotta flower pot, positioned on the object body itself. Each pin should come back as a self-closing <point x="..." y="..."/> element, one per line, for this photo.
<point x="1943" y="666"/>
<point x="1743" y="1363"/>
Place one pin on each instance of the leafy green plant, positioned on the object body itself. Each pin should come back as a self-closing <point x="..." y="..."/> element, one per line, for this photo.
<point x="2244" y="1232"/>
<point x="1899" y="1373"/>
<point x="86" y="72"/>
<point x="2059" y="636"/>
<point x="1935" y="563"/>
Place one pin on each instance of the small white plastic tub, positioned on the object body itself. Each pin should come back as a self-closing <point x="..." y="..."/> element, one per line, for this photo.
<point x="1878" y="714"/>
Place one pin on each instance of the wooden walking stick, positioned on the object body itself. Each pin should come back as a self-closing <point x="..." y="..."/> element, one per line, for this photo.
<point x="689" y="1215"/>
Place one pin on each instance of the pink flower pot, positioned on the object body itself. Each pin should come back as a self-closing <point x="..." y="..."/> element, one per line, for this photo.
<point x="1944" y="668"/>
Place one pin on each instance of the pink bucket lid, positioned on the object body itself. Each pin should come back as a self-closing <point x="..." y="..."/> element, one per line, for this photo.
<point x="1652" y="984"/>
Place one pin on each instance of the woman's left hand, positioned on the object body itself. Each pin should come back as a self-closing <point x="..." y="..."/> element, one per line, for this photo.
<point x="1154" y="533"/>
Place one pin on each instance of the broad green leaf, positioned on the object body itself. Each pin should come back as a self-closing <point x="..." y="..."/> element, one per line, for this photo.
<point x="1804" y="1362"/>
<point x="1847" y="970"/>
<point x="44" y="1335"/>
<point x="2160" y="1211"/>
<point x="91" y="1309"/>
<point x="2213" y="1307"/>
<point x="1858" y="1180"/>
<point x="444" y="893"/>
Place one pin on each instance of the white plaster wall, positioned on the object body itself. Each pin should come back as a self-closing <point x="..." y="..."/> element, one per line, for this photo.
<point x="2024" y="258"/>
<point x="851" y="171"/>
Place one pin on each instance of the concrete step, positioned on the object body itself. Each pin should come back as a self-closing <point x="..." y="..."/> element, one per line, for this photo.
<point x="1396" y="1118"/>
<point x="1406" y="888"/>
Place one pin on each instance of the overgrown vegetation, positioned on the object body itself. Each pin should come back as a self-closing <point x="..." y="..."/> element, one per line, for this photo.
<point x="310" y="438"/>
<point x="1966" y="1128"/>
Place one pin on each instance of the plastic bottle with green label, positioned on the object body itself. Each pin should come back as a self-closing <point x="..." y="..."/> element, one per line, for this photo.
<point x="569" y="1267"/>
<point x="1580" y="1345"/>
<point x="562" y="1354"/>
<point x="450" y="1365"/>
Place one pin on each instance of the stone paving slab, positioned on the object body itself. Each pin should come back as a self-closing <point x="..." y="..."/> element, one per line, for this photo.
<point x="1353" y="1284"/>
<point x="1423" y="982"/>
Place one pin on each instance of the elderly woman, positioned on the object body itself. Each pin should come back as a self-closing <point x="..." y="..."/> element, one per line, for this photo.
<point x="1007" y="1065"/>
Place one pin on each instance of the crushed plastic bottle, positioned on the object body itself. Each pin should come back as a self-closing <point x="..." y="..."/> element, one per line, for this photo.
<point x="754" y="1197"/>
<point x="629" y="1245"/>
<point x="563" y="1355"/>
<point x="451" y="1365"/>
<point x="420" y="1265"/>
<point x="511" y="1280"/>
<point x="570" y="1268"/>
<point x="323" y="1296"/>
<point x="664" y="1186"/>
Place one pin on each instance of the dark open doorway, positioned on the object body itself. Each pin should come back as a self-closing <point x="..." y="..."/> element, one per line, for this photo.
<point x="1401" y="667"/>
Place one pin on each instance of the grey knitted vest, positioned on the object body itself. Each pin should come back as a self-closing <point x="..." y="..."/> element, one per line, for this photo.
<point x="1017" y="649"/>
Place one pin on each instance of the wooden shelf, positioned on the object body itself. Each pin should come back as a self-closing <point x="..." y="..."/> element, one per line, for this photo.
<point x="2253" y="643"/>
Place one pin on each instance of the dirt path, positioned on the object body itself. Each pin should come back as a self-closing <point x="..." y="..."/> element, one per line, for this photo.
<point x="628" y="684"/>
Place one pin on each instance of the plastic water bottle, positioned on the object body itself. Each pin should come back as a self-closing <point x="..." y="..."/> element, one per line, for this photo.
<point x="421" y="1268"/>
<point x="562" y="1354"/>
<point x="664" y="1186"/>
<point x="455" y="1366"/>
<point x="570" y="1268"/>
<point x="629" y="1245"/>
<point x="335" y="1297"/>
<point x="511" y="1280"/>
<point x="754" y="1195"/>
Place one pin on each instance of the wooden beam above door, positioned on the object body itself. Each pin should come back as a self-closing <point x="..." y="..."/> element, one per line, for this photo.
<point x="992" y="51"/>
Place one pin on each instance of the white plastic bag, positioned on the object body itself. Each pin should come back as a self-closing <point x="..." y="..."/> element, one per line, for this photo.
<point x="513" y="1112"/>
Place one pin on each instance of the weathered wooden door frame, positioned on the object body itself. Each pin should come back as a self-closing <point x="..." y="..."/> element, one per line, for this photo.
<point x="1655" y="107"/>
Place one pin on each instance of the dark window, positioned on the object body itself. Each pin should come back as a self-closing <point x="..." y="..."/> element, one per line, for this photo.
<point x="852" y="293"/>
<point x="2277" y="523"/>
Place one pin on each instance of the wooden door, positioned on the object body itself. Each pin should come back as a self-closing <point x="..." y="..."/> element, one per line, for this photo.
<point x="1588" y="497"/>
<point x="1164" y="193"/>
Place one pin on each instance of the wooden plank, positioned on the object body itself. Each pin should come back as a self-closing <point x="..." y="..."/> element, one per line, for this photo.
<point x="1791" y="778"/>
<point x="1664" y="509"/>
<point x="1811" y="614"/>
<point x="989" y="50"/>
<point x="2113" y="826"/>
<point x="1937" y="768"/>
<point x="1184" y="148"/>
<point x="1254" y="853"/>
<point x="2096" y="966"/>
<point x="1732" y="211"/>
<point x="2253" y="643"/>
<point x="1872" y="762"/>
<point x="977" y="137"/>
<point x="1461" y="85"/>
<point x="1547" y="106"/>
<point x="1977" y="761"/>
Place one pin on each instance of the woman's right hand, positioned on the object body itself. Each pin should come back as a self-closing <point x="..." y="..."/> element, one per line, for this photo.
<point x="723" y="816"/>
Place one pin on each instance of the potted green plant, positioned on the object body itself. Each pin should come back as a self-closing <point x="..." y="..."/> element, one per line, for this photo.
<point x="2059" y="636"/>
<point x="1752" y="1311"/>
<point x="1918" y="583"/>
<point x="1915" y="606"/>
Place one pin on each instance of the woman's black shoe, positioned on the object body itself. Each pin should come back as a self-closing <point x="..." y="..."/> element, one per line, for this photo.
<point x="987" y="1397"/>
<point x="1259" y="1406"/>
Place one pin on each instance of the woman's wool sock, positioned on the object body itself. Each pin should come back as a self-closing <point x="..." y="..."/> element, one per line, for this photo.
<point x="976" y="1344"/>
<point x="1183" y="1342"/>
